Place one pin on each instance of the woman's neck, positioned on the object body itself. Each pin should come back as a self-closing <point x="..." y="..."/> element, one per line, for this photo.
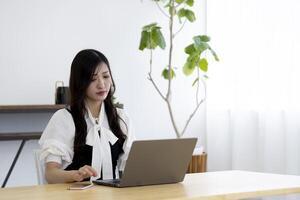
<point x="94" y="107"/>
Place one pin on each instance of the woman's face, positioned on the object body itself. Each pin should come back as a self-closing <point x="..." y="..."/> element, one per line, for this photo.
<point x="101" y="82"/>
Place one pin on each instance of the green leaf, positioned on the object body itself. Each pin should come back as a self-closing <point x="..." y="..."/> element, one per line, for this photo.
<point x="117" y="104"/>
<point x="188" y="68"/>
<point x="193" y="58"/>
<point x="151" y="42"/>
<point x="149" y="26"/>
<point x="190" y="15"/>
<point x="190" y="2"/>
<point x="181" y="13"/>
<point x="179" y="1"/>
<point x="205" y="76"/>
<point x="190" y="49"/>
<point x="195" y="81"/>
<point x="152" y="37"/>
<point x="191" y="63"/>
<point x="199" y="44"/>
<point x="158" y="38"/>
<point x="186" y="13"/>
<point x="165" y="73"/>
<point x="214" y="53"/>
<point x="145" y="36"/>
<point x="204" y="38"/>
<point x="203" y="64"/>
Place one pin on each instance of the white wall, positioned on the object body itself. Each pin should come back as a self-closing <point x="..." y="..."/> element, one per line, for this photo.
<point x="40" y="38"/>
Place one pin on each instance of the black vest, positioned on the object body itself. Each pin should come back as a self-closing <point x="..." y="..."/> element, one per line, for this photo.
<point x="84" y="155"/>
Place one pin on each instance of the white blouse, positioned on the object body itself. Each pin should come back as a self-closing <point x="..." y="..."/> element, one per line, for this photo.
<point x="57" y="141"/>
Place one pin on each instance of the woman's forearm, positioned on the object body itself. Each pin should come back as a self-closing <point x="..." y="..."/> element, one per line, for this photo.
<point x="55" y="175"/>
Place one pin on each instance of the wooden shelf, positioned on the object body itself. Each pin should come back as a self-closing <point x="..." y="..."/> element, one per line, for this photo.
<point x="50" y="108"/>
<point x="30" y="108"/>
<point x="20" y="136"/>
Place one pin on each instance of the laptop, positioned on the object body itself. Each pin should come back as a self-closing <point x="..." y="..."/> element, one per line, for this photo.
<point x="152" y="162"/>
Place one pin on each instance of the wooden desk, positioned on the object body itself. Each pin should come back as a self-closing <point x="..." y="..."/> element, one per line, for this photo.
<point x="210" y="186"/>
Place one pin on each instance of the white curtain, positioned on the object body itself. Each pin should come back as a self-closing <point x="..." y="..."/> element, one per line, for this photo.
<point x="253" y="104"/>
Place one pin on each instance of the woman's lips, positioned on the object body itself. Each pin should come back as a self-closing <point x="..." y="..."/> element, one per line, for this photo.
<point x="101" y="93"/>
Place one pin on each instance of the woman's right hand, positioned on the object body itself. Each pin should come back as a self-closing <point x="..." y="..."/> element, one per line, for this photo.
<point x="83" y="172"/>
<point x="55" y="174"/>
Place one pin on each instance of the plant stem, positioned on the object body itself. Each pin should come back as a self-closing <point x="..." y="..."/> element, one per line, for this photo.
<point x="170" y="49"/>
<point x="151" y="58"/>
<point x="204" y="86"/>
<point x="163" y="12"/>
<point x="151" y="79"/>
<point x="196" y="108"/>
<point x="156" y="87"/>
<point x="180" y="28"/>
<point x="168" y="96"/>
<point x="197" y="90"/>
<point x="172" y="119"/>
<point x="190" y="117"/>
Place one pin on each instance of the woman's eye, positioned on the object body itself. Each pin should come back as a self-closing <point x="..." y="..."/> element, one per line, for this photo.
<point x="94" y="79"/>
<point x="106" y="76"/>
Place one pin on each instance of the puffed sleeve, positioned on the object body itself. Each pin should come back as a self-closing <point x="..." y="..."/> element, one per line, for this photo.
<point x="57" y="139"/>
<point x="127" y="128"/>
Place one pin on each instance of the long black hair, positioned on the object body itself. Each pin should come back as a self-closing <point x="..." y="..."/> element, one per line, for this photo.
<point x="82" y="69"/>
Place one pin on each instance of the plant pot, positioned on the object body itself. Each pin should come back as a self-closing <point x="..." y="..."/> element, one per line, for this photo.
<point x="197" y="163"/>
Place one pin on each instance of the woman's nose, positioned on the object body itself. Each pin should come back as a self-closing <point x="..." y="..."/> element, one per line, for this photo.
<point x="100" y="83"/>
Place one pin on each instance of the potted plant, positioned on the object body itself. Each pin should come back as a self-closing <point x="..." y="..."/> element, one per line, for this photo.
<point x="151" y="38"/>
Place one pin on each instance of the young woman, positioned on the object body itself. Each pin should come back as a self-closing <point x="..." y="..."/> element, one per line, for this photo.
<point x="92" y="137"/>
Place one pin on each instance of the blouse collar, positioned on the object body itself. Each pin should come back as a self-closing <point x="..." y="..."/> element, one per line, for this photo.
<point x="101" y="115"/>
